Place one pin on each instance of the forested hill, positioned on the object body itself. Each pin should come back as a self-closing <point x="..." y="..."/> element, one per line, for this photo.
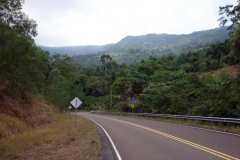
<point x="173" y="41"/>
<point x="133" y="49"/>
<point x="77" y="50"/>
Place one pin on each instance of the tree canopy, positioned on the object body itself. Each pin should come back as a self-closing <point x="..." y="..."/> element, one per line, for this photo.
<point x="163" y="78"/>
<point x="232" y="14"/>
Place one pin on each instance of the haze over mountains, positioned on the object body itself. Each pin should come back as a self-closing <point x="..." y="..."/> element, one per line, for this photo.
<point x="76" y="50"/>
<point x="133" y="49"/>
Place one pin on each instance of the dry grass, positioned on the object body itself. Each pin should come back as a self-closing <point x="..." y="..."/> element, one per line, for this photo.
<point x="232" y="70"/>
<point x="57" y="140"/>
<point x="36" y="130"/>
<point x="10" y="126"/>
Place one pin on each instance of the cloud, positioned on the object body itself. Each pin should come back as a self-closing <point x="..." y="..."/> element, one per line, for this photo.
<point x="98" y="22"/>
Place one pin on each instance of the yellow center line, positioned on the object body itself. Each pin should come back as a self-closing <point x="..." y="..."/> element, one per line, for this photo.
<point x="214" y="152"/>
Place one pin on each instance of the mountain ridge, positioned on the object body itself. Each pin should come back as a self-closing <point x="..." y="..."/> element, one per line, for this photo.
<point x="77" y="50"/>
<point x="132" y="49"/>
<point x="166" y="38"/>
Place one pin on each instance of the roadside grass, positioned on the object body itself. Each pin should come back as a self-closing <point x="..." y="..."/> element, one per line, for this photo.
<point x="10" y="125"/>
<point x="56" y="140"/>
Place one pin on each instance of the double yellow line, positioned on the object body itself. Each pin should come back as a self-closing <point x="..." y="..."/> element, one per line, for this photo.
<point x="211" y="151"/>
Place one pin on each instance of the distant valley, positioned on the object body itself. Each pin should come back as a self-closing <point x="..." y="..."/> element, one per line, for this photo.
<point x="77" y="50"/>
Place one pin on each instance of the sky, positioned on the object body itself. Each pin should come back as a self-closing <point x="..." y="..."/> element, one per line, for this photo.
<point x="99" y="22"/>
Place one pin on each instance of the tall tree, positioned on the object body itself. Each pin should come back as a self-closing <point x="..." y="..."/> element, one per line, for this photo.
<point x="22" y="64"/>
<point x="235" y="45"/>
<point x="12" y="16"/>
<point x="232" y="14"/>
<point x="105" y="59"/>
<point x="58" y="89"/>
<point x="65" y="64"/>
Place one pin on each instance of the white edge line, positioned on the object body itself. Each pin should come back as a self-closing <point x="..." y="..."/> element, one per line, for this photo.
<point x="195" y="127"/>
<point x="114" y="147"/>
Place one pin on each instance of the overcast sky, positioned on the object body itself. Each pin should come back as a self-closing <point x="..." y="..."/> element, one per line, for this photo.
<point x="99" y="22"/>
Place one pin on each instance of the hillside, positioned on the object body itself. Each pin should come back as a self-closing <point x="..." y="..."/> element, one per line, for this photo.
<point x="77" y="50"/>
<point x="133" y="49"/>
<point x="18" y="115"/>
<point x="173" y="41"/>
<point x="36" y="130"/>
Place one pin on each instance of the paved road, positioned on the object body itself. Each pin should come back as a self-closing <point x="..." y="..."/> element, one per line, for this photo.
<point x="139" y="139"/>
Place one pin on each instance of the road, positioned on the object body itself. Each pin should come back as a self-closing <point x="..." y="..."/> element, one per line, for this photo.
<point x="139" y="139"/>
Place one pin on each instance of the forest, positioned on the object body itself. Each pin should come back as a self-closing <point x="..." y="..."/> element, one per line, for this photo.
<point x="181" y="82"/>
<point x="76" y="50"/>
<point x="133" y="49"/>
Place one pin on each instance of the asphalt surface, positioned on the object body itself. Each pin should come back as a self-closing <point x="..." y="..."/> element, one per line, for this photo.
<point x="139" y="139"/>
<point x="106" y="150"/>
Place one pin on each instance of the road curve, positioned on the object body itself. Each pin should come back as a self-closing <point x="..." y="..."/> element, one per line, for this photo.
<point x="139" y="139"/>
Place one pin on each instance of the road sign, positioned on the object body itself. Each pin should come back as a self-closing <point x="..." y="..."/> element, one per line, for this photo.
<point x="76" y="102"/>
<point x="132" y="100"/>
<point x="132" y="105"/>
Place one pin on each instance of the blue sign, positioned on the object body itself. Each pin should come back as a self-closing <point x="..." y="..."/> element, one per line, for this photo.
<point x="132" y="100"/>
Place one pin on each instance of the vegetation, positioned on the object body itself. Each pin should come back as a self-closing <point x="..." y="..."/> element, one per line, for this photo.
<point x="30" y="82"/>
<point x="183" y="84"/>
<point x="77" y="50"/>
<point x="173" y="74"/>
<point x="169" y="78"/>
<point x="232" y="14"/>
<point x="56" y="140"/>
<point x="178" y="83"/>
<point x="133" y="49"/>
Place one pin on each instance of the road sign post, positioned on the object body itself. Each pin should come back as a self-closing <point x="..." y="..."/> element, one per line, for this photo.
<point x="132" y="106"/>
<point x="132" y="103"/>
<point x="76" y="102"/>
<point x="75" y="118"/>
<point x="132" y="100"/>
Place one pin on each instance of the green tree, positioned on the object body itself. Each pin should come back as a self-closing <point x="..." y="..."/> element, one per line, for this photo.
<point x="207" y="78"/>
<point x="232" y="13"/>
<point x="237" y="81"/>
<point x="80" y="79"/>
<point x="165" y="93"/>
<point x="203" y="66"/>
<point x="215" y="97"/>
<point x="214" y="64"/>
<point x="58" y="89"/>
<point x="12" y="17"/>
<point x="187" y="67"/>
<point x="23" y="66"/>
<point x="95" y="86"/>
<point x="235" y="45"/>
<point x="105" y="59"/>
<point x="65" y="64"/>
<point x="120" y="87"/>
<point x="155" y="99"/>
<point x="136" y="80"/>
<point x="148" y="67"/>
